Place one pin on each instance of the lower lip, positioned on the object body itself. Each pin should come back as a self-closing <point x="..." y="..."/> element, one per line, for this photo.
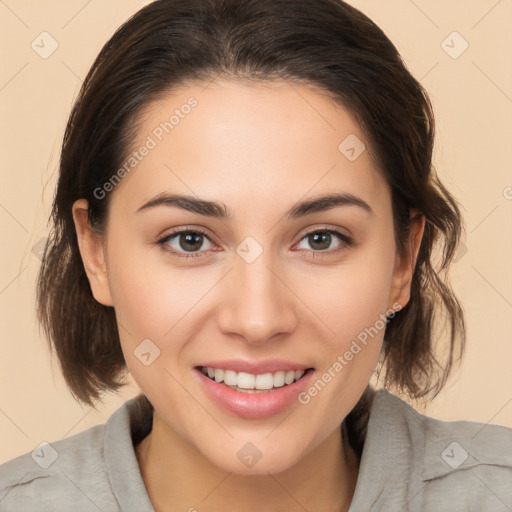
<point x="254" y="405"/>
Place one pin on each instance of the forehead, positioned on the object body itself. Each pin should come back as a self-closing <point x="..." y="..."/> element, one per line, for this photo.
<point x="236" y="142"/>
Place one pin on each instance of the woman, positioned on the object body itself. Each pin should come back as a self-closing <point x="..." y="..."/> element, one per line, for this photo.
<point x="245" y="221"/>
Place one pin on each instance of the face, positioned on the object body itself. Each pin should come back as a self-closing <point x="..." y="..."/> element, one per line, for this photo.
<point x="256" y="284"/>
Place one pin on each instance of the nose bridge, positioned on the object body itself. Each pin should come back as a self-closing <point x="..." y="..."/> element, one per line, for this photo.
<point x="258" y="305"/>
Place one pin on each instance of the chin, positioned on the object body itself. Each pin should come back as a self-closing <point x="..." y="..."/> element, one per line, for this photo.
<point x="247" y="458"/>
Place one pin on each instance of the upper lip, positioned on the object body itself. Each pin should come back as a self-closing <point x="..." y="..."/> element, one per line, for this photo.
<point x="255" y="367"/>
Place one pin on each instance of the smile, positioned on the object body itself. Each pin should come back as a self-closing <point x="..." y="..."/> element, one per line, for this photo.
<point x="248" y="382"/>
<point x="254" y="395"/>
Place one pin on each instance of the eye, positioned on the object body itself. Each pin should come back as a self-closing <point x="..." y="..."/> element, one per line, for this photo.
<point x="184" y="242"/>
<point x="321" y="240"/>
<point x="187" y="243"/>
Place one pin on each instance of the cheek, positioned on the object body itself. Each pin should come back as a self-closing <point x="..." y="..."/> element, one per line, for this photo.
<point x="355" y="315"/>
<point x="146" y="306"/>
<point x="149" y="297"/>
<point x="351" y="296"/>
<point x="154" y="301"/>
<point x="141" y="302"/>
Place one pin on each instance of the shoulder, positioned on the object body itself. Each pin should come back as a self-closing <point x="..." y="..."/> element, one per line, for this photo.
<point x="94" y="470"/>
<point x="458" y="463"/>
<point x="67" y="471"/>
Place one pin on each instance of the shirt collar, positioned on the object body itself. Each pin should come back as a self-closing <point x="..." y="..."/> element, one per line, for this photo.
<point x="460" y="445"/>
<point x="405" y="449"/>
<point x="121" y="461"/>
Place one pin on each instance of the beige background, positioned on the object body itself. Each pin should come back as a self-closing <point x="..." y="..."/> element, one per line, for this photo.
<point x="472" y="97"/>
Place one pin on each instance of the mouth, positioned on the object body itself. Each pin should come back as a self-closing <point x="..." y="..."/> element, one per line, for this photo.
<point x="256" y="389"/>
<point x="245" y="382"/>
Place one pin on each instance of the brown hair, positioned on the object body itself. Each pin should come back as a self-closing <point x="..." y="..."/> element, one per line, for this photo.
<point x="326" y="44"/>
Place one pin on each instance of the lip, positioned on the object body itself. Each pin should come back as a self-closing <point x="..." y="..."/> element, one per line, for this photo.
<point x="254" y="367"/>
<point x="254" y="405"/>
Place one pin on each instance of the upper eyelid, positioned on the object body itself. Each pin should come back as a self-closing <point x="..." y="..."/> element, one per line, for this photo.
<point x="327" y="227"/>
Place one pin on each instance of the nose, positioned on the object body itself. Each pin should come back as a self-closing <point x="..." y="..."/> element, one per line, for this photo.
<point x="258" y="303"/>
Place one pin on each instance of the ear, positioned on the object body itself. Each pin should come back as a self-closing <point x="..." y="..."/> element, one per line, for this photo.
<point x="404" y="265"/>
<point x="92" y="253"/>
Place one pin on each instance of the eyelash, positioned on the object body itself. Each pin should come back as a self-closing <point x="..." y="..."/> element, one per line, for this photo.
<point x="346" y="242"/>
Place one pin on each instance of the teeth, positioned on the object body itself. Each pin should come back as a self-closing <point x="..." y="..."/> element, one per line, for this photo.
<point x="264" y="381"/>
<point x="248" y="381"/>
<point x="245" y="380"/>
<point x="279" y="379"/>
<point x="289" y="377"/>
<point x="230" y="378"/>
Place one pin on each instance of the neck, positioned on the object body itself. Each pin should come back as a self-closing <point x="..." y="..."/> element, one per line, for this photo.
<point x="178" y="478"/>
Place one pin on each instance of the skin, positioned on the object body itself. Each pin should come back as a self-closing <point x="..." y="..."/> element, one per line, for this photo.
<point x="259" y="149"/>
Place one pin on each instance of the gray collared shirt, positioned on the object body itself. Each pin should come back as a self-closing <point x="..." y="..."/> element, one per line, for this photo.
<point x="410" y="462"/>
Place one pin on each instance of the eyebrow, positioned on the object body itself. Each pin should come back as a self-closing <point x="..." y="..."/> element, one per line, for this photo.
<point x="219" y="210"/>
